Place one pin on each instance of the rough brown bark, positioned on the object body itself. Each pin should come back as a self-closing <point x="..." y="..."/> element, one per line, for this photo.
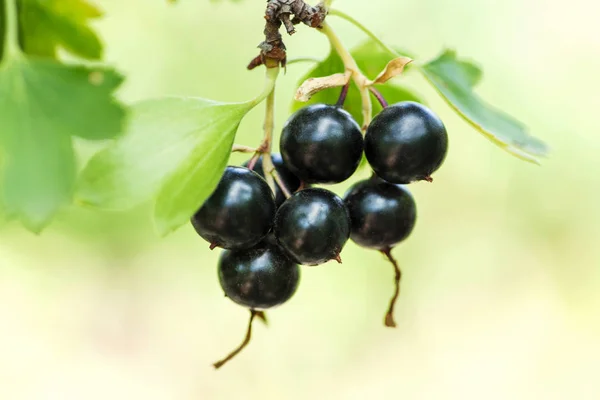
<point x="287" y="13"/>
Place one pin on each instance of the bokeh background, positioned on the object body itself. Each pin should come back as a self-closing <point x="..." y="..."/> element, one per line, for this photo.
<point x="501" y="290"/>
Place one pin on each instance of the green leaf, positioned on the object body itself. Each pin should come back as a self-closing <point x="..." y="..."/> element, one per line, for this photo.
<point x="42" y="105"/>
<point x="455" y="79"/>
<point x="371" y="60"/>
<point x="175" y="150"/>
<point x="46" y="25"/>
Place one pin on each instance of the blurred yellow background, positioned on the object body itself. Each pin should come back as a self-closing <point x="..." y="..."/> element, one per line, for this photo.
<point x="501" y="290"/>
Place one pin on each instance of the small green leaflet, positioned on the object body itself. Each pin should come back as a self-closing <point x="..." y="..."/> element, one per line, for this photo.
<point x="46" y="25"/>
<point x="455" y="79"/>
<point x="371" y="60"/>
<point x="174" y="150"/>
<point x="42" y="105"/>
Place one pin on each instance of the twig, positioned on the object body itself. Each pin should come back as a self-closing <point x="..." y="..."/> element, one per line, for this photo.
<point x="288" y="13"/>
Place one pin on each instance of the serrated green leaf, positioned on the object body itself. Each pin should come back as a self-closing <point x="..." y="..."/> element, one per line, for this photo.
<point x="46" y="25"/>
<point x="455" y="79"/>
<point x="174" y="150"/>
<point x="371" y="60"/>
<point x="42" y="105"/>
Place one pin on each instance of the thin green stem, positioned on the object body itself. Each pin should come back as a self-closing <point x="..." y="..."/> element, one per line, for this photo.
<point x="269" y="127"/>
<point x="357" y="76"/>
<point x="264" y="150"/>
<point x="302" y="59"/>
<point x="11" y="35"/>
<point x="267" y="93"/>
<point x="363" y="28"/>
<point x="270" y="79"/>
<point x="339" y="47"/>
<point x="280" y="183"/>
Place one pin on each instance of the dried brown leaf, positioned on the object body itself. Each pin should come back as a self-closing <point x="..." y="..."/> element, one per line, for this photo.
<point x="314" y="85"/>
<point x="392" y="69"/>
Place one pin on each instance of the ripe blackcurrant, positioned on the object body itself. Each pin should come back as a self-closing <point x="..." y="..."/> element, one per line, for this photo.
<point x="382" y="214"/>
<point x="312" y="226"/>
<point x="239" y="213"/>
<point x="406" y="142"/>
<point x="291" y="181"/>
<point x="321" y="143"/>
<point x="258" y="278"/>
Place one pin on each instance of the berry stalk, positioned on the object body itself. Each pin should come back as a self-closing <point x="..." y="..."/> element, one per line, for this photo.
<point x="240" y="148"/>
<point x="357" y="76"/>
<point x="269" y="127"/>
<point x="271" y="174"/>
<point x="389" y="316"/>
<point x="243" y="345"/>
<point x="379" y="97"/>
<point x="343" y="95"/>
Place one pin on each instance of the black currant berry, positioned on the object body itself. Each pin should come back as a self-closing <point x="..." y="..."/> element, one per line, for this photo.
<point x="239" y="213"/>
<point x="321" y="143"/>
<point x="312" y="226"/>
<point x="258" y="278"/>
<point x="406" y="142"/>
<point x="382" y="214"/>
<point x="291" y="181"/>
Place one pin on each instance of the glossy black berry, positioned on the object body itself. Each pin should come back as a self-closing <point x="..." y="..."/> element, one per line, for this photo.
<point x="406" y="142"/>
<point x="239" y="213"/>
<point x="382" y="214"/>
<point x="291" y="181"/>
<point x="321" y="143"/>
<point x="312" y="226"/>
<point x="258" y="278"/>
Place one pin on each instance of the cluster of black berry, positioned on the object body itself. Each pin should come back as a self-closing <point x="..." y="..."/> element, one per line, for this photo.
<point x="267" y="235"/>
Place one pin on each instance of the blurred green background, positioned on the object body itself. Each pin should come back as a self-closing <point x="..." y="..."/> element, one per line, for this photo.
<point x="501" y="290"/>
